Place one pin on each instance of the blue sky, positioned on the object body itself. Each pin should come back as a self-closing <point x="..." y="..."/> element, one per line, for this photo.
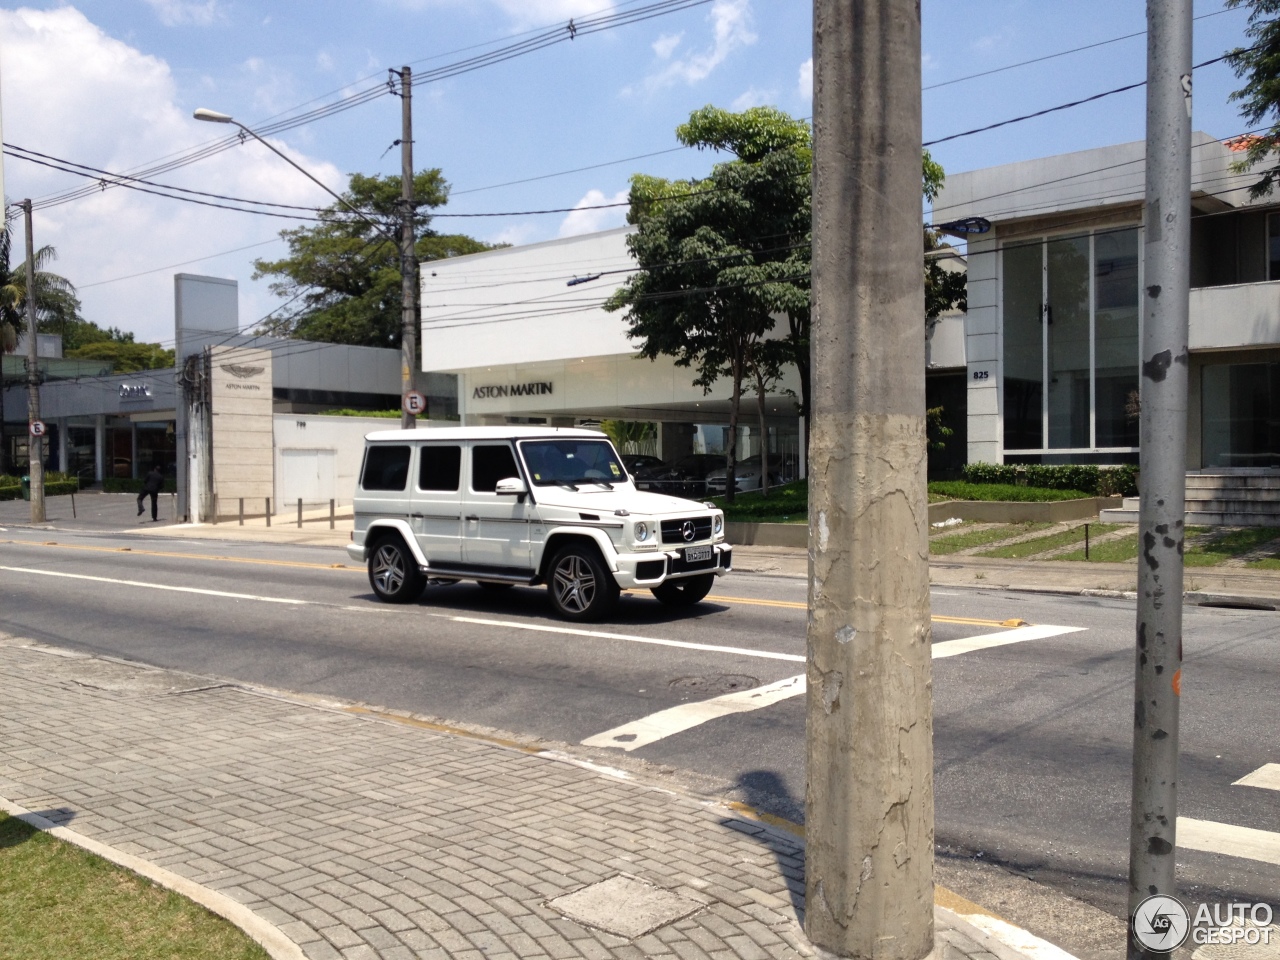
<point x="112" y="83"/>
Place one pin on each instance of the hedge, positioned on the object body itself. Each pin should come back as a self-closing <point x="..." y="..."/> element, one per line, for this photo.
<point x="1095" y="481"/>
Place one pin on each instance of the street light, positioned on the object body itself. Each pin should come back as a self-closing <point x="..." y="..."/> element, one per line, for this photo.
<point x="405" y="242"/>
<point x="213" y="116"/>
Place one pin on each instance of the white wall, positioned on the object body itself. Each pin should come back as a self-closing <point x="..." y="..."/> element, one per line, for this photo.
<point x="514" y="306"/>
<point x="982" y="351"/>
<point x="1242" y="315"/>
<point x="318" y="458"/>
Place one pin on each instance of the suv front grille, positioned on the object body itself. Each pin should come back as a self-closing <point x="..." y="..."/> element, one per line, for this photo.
<point x="673" y="530"/>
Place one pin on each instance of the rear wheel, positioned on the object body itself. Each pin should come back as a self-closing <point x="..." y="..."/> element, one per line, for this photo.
<point x="393" y="572"/>
<point x="581" y="586"/>
<point x="684" y="592"/>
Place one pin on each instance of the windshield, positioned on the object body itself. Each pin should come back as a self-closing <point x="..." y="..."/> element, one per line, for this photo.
<point x="568" y="463"/>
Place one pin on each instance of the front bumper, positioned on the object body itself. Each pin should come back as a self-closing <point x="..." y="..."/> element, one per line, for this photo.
<point x="644" y="570"/>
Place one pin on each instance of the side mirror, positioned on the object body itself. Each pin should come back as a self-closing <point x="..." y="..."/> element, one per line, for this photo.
<point x="511" y="487"/>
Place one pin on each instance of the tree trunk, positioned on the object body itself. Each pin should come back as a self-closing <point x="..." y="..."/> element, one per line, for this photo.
<point x="764" y="435"/>
<point x="735" y="405"/>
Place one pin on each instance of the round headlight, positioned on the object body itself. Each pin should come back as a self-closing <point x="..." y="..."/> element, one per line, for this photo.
<point x="718" y="523"/>
<point x="642" y="531"/>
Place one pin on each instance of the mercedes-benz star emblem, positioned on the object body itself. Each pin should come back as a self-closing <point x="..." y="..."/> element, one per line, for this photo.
<point x="688" y="531"/>
<point x="1160" y="924"/>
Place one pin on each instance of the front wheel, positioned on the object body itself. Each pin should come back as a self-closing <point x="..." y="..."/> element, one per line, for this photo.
<point x="393" y="572"/>
<point x="684" y="592"/>
<point x="581" y="586"/>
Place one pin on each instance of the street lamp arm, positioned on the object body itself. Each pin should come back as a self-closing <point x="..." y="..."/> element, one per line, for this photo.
<point x="213" y="116"/>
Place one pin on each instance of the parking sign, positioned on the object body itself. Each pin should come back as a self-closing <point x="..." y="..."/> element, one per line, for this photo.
<point x="36" y="428"/>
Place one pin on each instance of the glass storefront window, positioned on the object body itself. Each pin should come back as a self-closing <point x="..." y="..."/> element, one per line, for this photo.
<point x="1240" y="414"/>
<point x="1067" y="314"/>
<point x="1023" y="346"/>
<point x="1070" y="324"/>
<point x="1116" y="346"/>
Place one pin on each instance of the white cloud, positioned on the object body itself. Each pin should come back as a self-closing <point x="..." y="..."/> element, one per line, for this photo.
<point x="753" y="98"/>
<point x="523" y="13"/>
<point x="517" y="234"/>
<point x="105" y="104"/>
<point x="174" y="13"/>
<point x="666" y="45"/>
<point x="731" y="30"/>
<point x="806" y="80"/>
<point x="590" y="221"/>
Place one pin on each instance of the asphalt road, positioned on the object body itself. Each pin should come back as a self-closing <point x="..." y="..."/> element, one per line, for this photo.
<point x="1032" y="738"/>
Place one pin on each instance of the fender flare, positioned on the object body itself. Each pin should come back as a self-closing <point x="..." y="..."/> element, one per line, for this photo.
<point x="397" y="526"/>
<point x="608" y="552"/>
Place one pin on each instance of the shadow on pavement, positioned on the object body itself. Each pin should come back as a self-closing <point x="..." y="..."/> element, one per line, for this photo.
<point x="766" y="792"/>
<point x="15" y="832"/>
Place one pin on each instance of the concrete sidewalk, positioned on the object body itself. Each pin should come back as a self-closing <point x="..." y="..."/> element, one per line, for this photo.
<point x="327" y="830"/>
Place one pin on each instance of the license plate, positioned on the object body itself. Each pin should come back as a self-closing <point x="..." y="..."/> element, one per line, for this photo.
<point x="693" y="554"/>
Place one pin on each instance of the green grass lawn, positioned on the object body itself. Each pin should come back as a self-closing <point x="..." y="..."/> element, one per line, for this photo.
<point x="1113" y="551"/>
<point x="58" y="902"/>
<point x="1062" y="538"/>
<point x="951" y="542"/>
<point x="959" y="490"/>
<point x="1230" y="544"/>
<point x="789" y="503"/>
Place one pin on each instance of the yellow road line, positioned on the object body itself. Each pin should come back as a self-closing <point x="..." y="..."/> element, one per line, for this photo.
<point x="748" y="601"/>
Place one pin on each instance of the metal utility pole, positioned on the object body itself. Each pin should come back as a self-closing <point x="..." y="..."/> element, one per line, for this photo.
<point x="408" y="252"/>
<point x="35" y="444"/>
<point x="1162" y="453"/>
<point x="869" y="803"/>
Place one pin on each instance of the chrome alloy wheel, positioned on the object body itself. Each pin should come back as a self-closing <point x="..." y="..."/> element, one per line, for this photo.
<point x="574" y="583"/>
<point x="388" y="571"/>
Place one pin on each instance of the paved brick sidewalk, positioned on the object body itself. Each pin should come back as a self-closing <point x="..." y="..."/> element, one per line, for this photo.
<point x="365" y="838"/>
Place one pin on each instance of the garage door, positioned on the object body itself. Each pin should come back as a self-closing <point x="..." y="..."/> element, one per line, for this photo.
<point x="309" y="474"/>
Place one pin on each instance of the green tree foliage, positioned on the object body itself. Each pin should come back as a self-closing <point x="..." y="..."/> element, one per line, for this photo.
<point x="723" y="257"/>
<point x="1259" y="99"/>
<point x="341" y="279"/>
<point x="124" y="355"/>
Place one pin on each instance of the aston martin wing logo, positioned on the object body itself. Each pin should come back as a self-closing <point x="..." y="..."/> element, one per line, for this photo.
<point x="241" y="370"/>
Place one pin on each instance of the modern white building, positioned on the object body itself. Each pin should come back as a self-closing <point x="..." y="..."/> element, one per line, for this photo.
<point x="525" y="332"/>
<point x="1052" y="332"/>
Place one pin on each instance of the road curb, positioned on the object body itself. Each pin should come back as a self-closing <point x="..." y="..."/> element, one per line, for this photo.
<point x="265" y="934"/>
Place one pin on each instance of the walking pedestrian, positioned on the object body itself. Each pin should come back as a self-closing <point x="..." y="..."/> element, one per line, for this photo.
<point x="152" y="485"/>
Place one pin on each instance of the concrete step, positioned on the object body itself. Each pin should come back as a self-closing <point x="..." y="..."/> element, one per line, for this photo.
<point x="1118" y="516"/>
<point x="1201" y="518"/>
<point x="1260" y="484"/>
<point x="1229" y="505"/>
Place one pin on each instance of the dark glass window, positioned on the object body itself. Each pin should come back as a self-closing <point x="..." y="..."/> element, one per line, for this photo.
<point x="1273" y="246"/>
<point x="1023" y="346"/>
<point x="489" y="464"/>
<point x="385" y="468"/>
<point x="439" y="467"/>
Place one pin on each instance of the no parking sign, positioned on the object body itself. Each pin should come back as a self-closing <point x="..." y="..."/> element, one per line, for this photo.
<point x="414" y="402"/>
<point x="37" y="428"/>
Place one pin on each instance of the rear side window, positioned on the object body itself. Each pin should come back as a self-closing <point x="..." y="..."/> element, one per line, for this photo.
<point x="386" y="467"/>
<point x="438" y="468"/>
<point x="490" y="464"/>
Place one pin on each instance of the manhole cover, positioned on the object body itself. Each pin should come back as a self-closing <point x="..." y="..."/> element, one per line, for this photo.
<point x="721" y="683"/>
<point x="625" y="906"/>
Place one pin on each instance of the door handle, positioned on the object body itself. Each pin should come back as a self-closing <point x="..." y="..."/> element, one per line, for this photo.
<point x="415" y="516"/>
<point x="475" y="518"/>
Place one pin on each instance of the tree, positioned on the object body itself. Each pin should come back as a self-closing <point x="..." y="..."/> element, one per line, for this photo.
<point x="125" y="356"/>
<point x="723" y="258"/>
<point x="341" y="280"/>
<point x="1259" y="98"/>
<point x="55" y="300"/>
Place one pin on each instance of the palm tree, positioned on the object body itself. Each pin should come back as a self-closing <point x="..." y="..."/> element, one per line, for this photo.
<point x="55" y="300"/>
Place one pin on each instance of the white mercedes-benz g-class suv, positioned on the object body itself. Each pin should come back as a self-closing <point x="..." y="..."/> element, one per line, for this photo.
<point x="526" y="505"/>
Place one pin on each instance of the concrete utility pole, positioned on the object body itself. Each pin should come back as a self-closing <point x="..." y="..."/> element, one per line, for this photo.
<point x="869" y="804"/>
<point x="35" y="445"/>
<point x="1163" y="454"/>
<point x="408" y="252"/>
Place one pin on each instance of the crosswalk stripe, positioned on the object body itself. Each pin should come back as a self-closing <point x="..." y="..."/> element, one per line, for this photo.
<point x="1266" y="776"/>
<point x="665" y="723"/>
<point x="1230" y="840"/>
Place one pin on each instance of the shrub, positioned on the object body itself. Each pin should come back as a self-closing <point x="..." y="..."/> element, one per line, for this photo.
<point x="1094" y="481"/>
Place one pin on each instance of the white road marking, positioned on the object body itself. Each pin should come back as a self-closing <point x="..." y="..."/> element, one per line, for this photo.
<point x="1225" y="838"/>
<point x="158" y="586"/>
<point x="603" y="635"/>
<point x="1266" y="776"/>
<point x="664" y="723"/>
<point x="951" y="648"/>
